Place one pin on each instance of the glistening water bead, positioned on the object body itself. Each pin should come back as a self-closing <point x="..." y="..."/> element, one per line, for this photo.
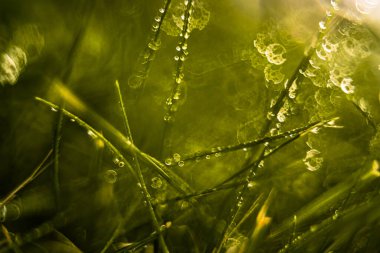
<point x="275" y="53"/>
<point x="156" y="183"/>
<point x="110" y="176"/>
<point x="313" y="160"/>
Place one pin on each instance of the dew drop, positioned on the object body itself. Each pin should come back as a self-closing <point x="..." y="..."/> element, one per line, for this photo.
<point x="154" y="45"/>
<point x="275" y="54"/>
<point x="169" y="101"/>
<point x="91" y="134"/>
<point x="335" y="5"/>
<point x="273" y="74"/>
<point x="168" y="161"/>
<point x="366" y="6"/>
<point x="181" y="163"/>
<point x="322" y="25"/>
<point x="135" y="81"/>
<point x="321" y="54"/>
<point x="313" y="160"/>
<point x="208" y="157"/>
<point x="110" y="176"/>
<point x="346" y="85"/>
<point x="168" y="118"/>
<point x="121" y="164"/>
<point x="53" y="109"/>
<point x="251" y="184"/>
<point x="176" y="157"/>
<point x="161" y="10"/>
<point x="176" y="58"/>
<point x="156" y="183"/>
<point x="281" y="115"/>
<point x="11" y="64"/>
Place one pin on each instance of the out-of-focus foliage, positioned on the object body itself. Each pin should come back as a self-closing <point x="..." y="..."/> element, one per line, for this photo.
<point x="189" y="126"/>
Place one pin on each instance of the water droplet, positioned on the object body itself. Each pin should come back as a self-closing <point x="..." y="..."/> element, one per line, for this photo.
<point x="281" y="115"/>
<point x="72" y="120"/>
<point x="335" y="5"/>
<point x="275" y="53"/>
<point x="168" y="118"/>
<point x="168" y="161"/>
<point x="11" y="64"/>
<point x="161" y="10"/>
<point x="91" y="134"/>
<point x="53" y="109"/>
<point x="273" y="74"/>
<point x="121" y="164"/>
<point x="322" y="25"/>
<point x="176" y="58"/>
<point x="346" y="85"/>
<point x="313" y="160"/>
<point x="154" y="45"/>
<point x="135" y="81"/>
<point x="261" y="42"/>
<point x="116" y="160"/>
<point x="186" y="36"/>
<point x="315" y="130"/>
<point x="313" y="228"/>
<point x="181" y="163"/>
<point x="110" y="176"/>
<point x="336" y="215"/>
<point x="208" y="157"/>
<point x="292" y="90"/>
<point x="156" y="183"/>
<point x="251" y="184"/>
<point x="176" y="157"/>
<point x="169" y="101"/>
<point x="321" y="54"/>
<point x="273" y="131"/>
<point x="328" y="46"/>
<point x="157" y="19"/>
<point x="366" y="6"/>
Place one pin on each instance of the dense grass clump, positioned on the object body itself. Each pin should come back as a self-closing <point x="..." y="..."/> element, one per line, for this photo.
<point x="189" y="126"/>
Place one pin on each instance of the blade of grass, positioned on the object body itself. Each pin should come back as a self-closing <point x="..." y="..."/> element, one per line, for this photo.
<point x="148" y="55"/>
<point x="78" y="38"/>
<point x="176" y="182"/>
<point x="36" y="172"/>
<point x="176" y="95"/>
<point x="11" y="243"/>
<point x="142" y="184"/>
<point x="250" y="144"/>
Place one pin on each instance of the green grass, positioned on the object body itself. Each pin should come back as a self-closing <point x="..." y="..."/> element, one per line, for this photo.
<point x="189" y="126"/>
